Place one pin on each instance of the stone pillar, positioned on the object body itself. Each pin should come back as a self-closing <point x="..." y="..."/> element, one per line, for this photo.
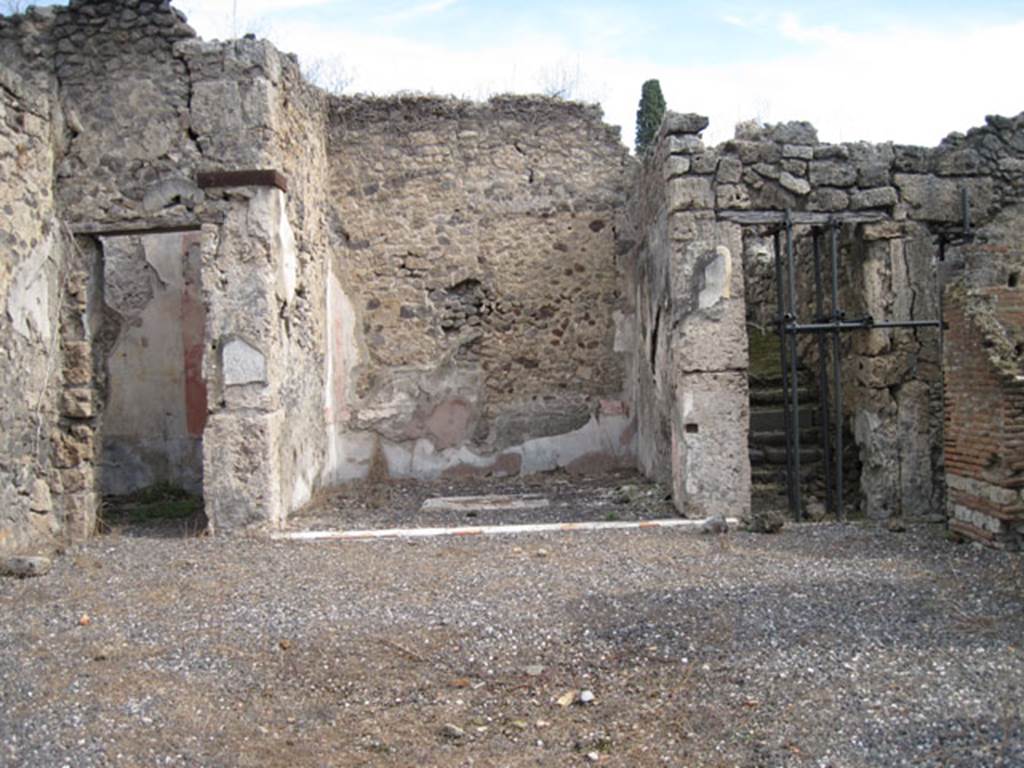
<point x="710" y="418"/>
<point x="76" y="439"/>
<point x="708" y="337"/>
<point x="246" y="274"/>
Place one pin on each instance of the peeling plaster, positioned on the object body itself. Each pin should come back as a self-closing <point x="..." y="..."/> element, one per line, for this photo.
<point x="28" y="303"/>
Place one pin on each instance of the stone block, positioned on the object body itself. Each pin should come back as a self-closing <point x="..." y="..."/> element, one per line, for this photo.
<point x="729" y="171"/>
<point x="40" y="499"/>
<point x="24" y="567"/>
<point x="796" y="168"/>
<point x="828" y="199"/>
<point x="77" y="403"/>
<point x="876" y="433"/>
<point x="72" y="450"/>
<point x="796" y="186"/>
<point x="689" y="193"/>
<point x="243" y="364"/>
<point x="710" y="460"/>
<point x="919" y="495"/>
<point x="932" y="198"/>
<point x="77" y="480"/>
<point x="882" y="197"/>
<point x="798" y="151"/>
<point x="241" y="466"/>
<point x="676" y="165"/>
<point x="832" y="174"/>
<point x="873" y="175"/>
<point x="684" y="145"/>
<point x="732" y="196"/>
<point x="957" y="162"/>
<point x="78" y="369"/>
<point x="704" y="162"/>
<point x="794" y="133"/>
<point x="675" y="123"/>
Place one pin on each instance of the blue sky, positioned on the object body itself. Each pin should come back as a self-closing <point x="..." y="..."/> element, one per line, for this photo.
<point x="907" y="71"/>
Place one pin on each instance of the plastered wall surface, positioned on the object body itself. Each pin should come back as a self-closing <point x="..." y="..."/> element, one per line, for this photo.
<point x="155" y="396"/>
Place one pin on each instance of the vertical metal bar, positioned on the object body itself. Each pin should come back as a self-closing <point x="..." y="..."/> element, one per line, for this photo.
<point x="823" y="426"/>
<point x="965" y="207"/>
<point x="836" y="368"/>
<point x="780" y="289"/>
<point x="794" y="383"/>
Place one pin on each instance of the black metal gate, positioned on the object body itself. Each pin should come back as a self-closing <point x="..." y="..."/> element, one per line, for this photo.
<point x="828" y="325"/>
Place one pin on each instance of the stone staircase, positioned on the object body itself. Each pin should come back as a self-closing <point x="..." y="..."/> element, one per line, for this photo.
<point x="767" y="438"/>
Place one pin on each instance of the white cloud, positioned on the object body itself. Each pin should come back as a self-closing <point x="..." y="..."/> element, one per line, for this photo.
<point x="791" y="29"/>
<point x="417" y="11"/>
<point x="735" y="21"/>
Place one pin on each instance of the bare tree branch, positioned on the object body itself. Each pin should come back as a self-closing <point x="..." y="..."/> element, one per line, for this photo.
<point x="329" y="74"/>
<point x="12" y="7"/>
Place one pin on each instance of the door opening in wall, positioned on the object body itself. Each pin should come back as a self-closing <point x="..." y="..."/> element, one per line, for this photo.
<point x="150" y="347"/>
<point x="829" y="323"/>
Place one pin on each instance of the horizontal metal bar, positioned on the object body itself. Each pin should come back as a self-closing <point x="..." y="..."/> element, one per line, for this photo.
<point x="802" y="217"/>
<point x="858" y="325"/>
<point x="94" y="230"/>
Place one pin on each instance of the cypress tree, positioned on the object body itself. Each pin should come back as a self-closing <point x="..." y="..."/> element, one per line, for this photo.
<point x="648" y="115"/>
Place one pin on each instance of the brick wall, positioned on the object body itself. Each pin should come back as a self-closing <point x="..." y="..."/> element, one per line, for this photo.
<point x="984" y="413"/>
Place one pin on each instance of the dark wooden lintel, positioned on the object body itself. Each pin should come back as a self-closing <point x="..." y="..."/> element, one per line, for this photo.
<point x="251" y="178"/>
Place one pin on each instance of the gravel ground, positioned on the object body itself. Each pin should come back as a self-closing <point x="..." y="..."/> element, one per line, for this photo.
<point x="824" y="645"/>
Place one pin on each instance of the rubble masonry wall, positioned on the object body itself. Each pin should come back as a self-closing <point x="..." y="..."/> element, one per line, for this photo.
<point x="31" y="291"/>
<point x="474" y="263"/>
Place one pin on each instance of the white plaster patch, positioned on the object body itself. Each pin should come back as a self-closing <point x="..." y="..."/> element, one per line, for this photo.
<point x="625" y="332"/>
<point x="717" y="279"/>
<point x="342" y="351"/>
<point x="597" y="436"/>
<point x="243" y="364"/>
<point x="165" y="254"/>
<point x="285" y="253"/>
<point x="348" y="455"/>
<point x="484" y="503"/>
<point x="696" y="526"/>
<point x="28" y="303"/>
<point x="608" y="436"/>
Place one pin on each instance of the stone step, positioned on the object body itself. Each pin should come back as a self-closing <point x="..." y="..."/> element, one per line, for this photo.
<point x="774" y="395"/>
<point x="776" y="455"/>
<point x="768" y="489"/>
<point x="774" y="473"/>
<point x="810" y="454"/>
<point x="774" y="380"/>
<point x="808" y="436"/>
<point x="773" y="418"/>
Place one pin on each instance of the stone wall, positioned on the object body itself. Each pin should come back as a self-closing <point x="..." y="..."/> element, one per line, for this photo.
<point x="690" y="366"/>
<point x="474" y="260"/>
<point x="894" y="203"/>
<point x="32" y="253"/>
<point x="124" y="101"/>
<point x="433" y="286"/>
